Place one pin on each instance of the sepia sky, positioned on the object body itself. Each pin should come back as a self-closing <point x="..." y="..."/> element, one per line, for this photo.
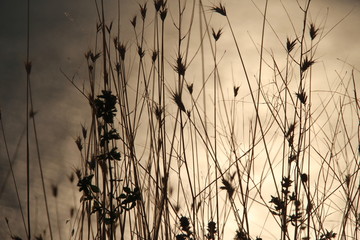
<point x="62" y="31"/>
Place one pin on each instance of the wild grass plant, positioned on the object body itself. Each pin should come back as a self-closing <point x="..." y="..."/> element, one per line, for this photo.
<point x="175" y="148"/>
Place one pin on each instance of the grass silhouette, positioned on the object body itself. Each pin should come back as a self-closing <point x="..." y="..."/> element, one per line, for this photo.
<point x="168" y="155"/>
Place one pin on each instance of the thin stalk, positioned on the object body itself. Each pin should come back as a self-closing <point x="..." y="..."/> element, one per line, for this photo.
<point x="40" y="163"/>
<point x="28" y="71"/>
<point x="215" y="141"/>
<point x="254" y="103"/>
<point x="12" y="173"/>
<point x="201" y="11"/>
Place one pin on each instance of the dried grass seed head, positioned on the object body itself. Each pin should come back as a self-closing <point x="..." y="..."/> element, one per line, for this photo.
<point x="290" y="45"/>
<point x="78" y="173"/>
<point x="241" y="235"/>
<point x="79" y="143"/>
<point x="154" y="55"/>
<point x="302" y="96"/>
<point x="71" y="177"/>
<point x="122" y="50"/>
<point x="313" y="31"/>
<point x="163" y="14"/>
<point x="94" y="57"/>
<point x="188" y="113"/>
<point x="109" y="27"/>
<point x="180" y="67"/>
<point x="143" y="10"/>
<point x="133" y="21"/>
<point x="141" y="52"/>
<point x="98" y="27"/>
<point x="306" y="64"/>
<point x="228" y="187"/>
<point x="190" y="87"/>
<point x="118" y="67"/>
<point x="347" y="180"/>
<point x="290" y="130"/>
<point x="158" y="111"/>
<point x="177" y="99"/>
<point x="84" y="131"/>
<point x="236" y="90"/>
<point x="219" y="9"/>
<point x="159" y="4"/>
<point x="216" y="34"/>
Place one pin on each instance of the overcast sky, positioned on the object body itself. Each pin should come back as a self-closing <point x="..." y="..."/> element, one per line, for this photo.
<point x="62" y="31"/>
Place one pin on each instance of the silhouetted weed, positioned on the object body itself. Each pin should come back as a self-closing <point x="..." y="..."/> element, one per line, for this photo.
<point x="219" y="9"/>
<point x="143" y="168"/>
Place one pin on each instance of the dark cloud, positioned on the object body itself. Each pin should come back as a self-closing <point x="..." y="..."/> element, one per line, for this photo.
<point x="55" y="42"/>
